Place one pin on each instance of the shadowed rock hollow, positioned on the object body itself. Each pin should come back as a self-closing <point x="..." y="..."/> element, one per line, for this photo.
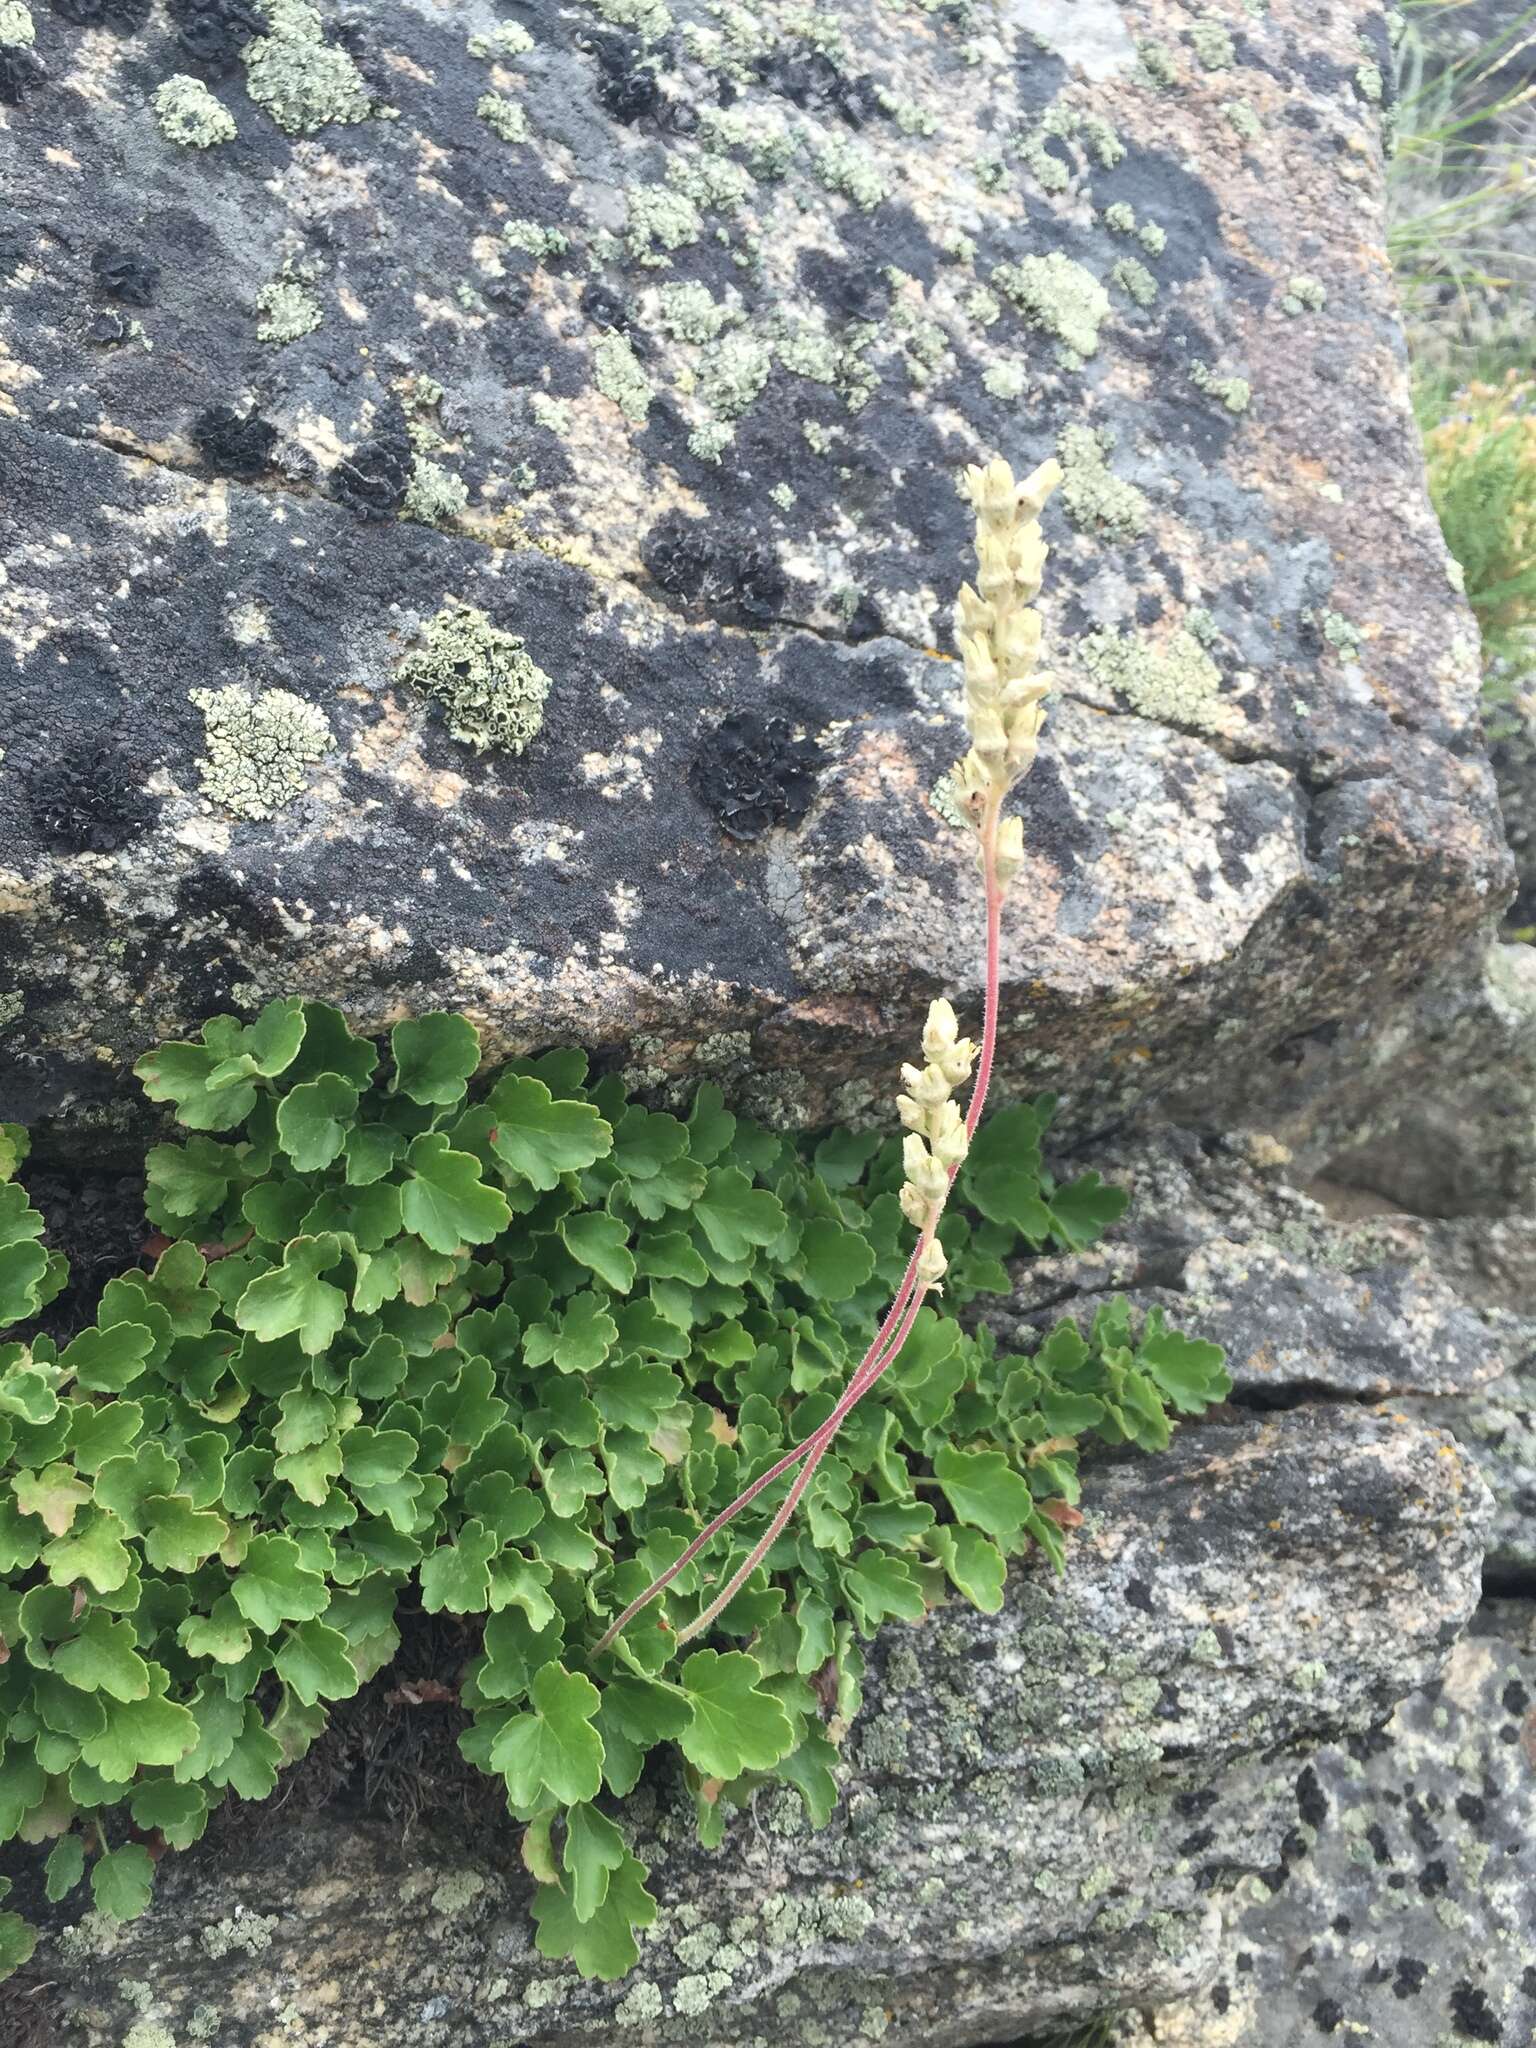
<point x="656" y="336"/>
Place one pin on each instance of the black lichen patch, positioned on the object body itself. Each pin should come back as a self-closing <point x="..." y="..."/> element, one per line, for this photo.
<point x="372" y="481"/>
<point x="124" y="274"/>
<point x="19" y="72"/>
<point x="88" y="802"/>
<point x="124" y="17"/>
<point x="602" y="306"/>
<point x="1473" y="2018"/>
<point x="234" y="444"/>
<point x="733" y="578"/>
<point x="812" y="79"/>
<point x="212" y="33"/>
<point x="753" y="773"/>
<point x="849" y="291"/>
<point x="627" y="85"/>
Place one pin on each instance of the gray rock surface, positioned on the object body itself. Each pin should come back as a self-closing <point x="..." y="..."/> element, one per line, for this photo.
<point x="1307" y="1305"/>
<point x="660" y="342"/>
<point x="1402" y="1912"/>
<point x="1039" y="1810"/>
<point x="1323" y="1297"/>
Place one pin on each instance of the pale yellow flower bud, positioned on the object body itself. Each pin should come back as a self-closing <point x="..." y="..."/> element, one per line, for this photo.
<point x="926" y="1085"/>
<point x="1017" y="640"/>
<point x="989" y="736"/>
<point x="1010" y="849"/>
<point x="976" y="615"/>
<point x="970" y="778"/>
<point x="982" y="677"/>
<point x="913" y="1207"/>
<point x="932" y="1265"/>
<point x="948" y="1136"/>
<point x="924" y="1172"/>
<point x="913" y="1114"/>
<point x="941" y="1030"/>
<point x="956" y="1064"/>
<point x="1038" y="486"/>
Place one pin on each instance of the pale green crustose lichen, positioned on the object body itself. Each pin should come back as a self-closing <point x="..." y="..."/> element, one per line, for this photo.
<point x="435" y="495"/>
<point x="1091" y="494"/>
<point x="534" y="239"/>
<point x="732" y="373"/>
<point x="710" y="441"/>
<point x="619" y="376"/>
<point x="1242" y="117"/>
<point x="1235" y="393"/>
<point x="288" y="308"/>
<point x="1120" y="219"/>
<point x="502" y="116"/>
<point x="1176" y="683"/>
<point x="650" y="19"/>
<point x="302" y="81"/>
<point x="259" y="747"/>
<point x="1304" y="294"/>
<point x="1211" y="41"/>
<point x="1057" y="294"/>
<point x="488" y="685"/>
<point x="711" y="181"/>
<point x="1047" y="169"/>
<point x="1134" y="279"/>
<point x="249" y="1934"/>
<point x="500" y="45"/>
<point x="16" y="25"/>
<point x="1007" y="380"/>
<point x="690" y="312"/>
<point x="188" y="113"/>
<point x="1158" y="65"/>
<point x="659" y="220"/>
<point x="844" y="167"/>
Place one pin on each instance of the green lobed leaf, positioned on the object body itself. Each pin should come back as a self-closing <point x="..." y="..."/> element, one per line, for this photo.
<point x="594" y="1850"/>
<point x="435" y="1056"/>
<point x="538" y="1138"/>
<point x="735" y="1216"/>
<point x="603" y="1946"/>
<point x="121" y="1881"/>
<point x="984" y="1490"/>
<point x="445" y="1201"/>
<point x="313" y="1120"/>
<point x="552" y="1750"/>
<point x="735" y="1726"/>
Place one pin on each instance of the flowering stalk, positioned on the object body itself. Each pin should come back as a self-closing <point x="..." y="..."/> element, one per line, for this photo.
<point x="999" y="641"/>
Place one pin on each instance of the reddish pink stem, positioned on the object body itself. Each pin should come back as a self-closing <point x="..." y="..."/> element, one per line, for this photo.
<point x="886" y="1348"/>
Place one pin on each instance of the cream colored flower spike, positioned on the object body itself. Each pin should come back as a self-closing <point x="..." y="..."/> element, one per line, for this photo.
<point x="999" y="639"/>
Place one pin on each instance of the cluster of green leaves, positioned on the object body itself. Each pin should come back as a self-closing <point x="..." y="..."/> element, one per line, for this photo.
<point x="1480" y="454"/>
<point x="503" y="1351"/>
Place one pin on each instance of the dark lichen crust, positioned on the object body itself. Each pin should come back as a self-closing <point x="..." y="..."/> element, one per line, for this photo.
<point x="656" y="332"/>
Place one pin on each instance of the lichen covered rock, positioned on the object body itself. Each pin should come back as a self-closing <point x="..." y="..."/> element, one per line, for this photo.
<point x="1401" y="1911"/>
<point x="1040" y="1811"/>
<point x="655" y="334"/>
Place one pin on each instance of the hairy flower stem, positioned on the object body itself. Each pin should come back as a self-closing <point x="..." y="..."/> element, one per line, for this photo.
<point x="893" y="1334"/>
<point x="876" y="1362"/>
<point x="1003" y="712"/>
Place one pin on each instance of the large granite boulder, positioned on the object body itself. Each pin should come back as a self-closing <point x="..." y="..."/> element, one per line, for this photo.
<point x="395" y="389"/>
<point x="1039" y="1812"/>
<point x="1402" y="1912"/>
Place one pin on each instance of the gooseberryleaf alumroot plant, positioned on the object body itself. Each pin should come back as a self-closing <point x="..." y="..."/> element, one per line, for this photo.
<point x="508" y="1350"/>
